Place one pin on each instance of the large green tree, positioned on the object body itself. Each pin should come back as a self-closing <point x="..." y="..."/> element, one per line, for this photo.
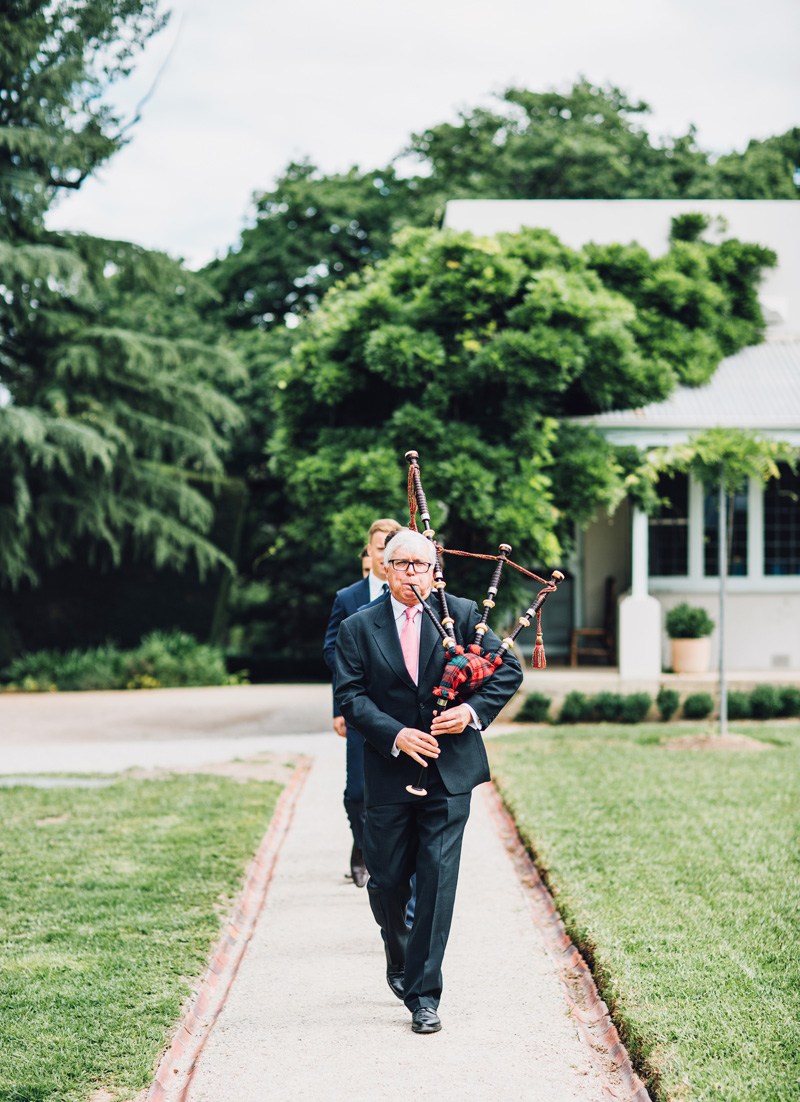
<point x="310" y="231"/>
<point x="475" y="352"/>
<point x="313" y="229"/>
<point x="586" y="143"/>
<point x="57" y="59"/>
<point x="113" y="424"/>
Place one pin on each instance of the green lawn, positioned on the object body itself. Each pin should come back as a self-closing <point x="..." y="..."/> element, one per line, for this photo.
<point x="677" y="873"/>
<point x="110" y="900"/>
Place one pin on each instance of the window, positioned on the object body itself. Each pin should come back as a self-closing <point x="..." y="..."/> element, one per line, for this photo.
<point x="736" y="527"/>
<point x="762" y="528"/>
<point x="782" y="523"/>
<point x="669" y="529"/>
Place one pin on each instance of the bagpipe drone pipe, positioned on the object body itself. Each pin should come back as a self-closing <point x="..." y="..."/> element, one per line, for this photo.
<point x="467" y="668"/>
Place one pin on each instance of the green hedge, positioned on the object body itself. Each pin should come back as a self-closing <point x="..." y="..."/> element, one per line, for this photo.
<point x="763" y="702"/>
<point x="668" y="701"/>
<point x="163" y="659"/>
<point x="698" y="706"/>
<point x="790" y="700"/>
<point x="535" y="709"/>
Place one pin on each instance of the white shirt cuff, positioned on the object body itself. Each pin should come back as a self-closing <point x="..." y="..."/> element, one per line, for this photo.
<point x="476" y="723"/>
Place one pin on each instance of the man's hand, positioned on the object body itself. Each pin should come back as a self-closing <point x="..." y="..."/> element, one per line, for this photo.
<point x="339" y="726"/>
<point x="452" y="722"/>
<point x="416" y="744"/>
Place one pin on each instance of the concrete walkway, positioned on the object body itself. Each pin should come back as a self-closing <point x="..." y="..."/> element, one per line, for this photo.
<point x="309" y="1015"/>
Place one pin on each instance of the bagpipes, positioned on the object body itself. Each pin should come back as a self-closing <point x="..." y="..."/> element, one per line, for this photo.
<point x="466" y="669"/>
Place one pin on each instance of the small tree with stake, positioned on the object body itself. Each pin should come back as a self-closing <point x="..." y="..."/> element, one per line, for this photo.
<point x="725" y="459"/>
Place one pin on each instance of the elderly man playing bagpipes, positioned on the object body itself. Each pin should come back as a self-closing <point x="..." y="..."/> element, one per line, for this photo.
<point x="389" y="660"/>
<point x="421" y="713"/>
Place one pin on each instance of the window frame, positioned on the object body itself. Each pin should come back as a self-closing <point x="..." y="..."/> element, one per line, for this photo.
<point x="755" y="580"/>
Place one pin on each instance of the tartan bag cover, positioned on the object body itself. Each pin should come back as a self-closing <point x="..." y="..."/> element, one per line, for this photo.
<point x="464" y="672"/>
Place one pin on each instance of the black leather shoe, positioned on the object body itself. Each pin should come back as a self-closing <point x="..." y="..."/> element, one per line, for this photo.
<point x="425" y="1020"/>
<point x="358" y="870"/>
<point x="396" y="980"/>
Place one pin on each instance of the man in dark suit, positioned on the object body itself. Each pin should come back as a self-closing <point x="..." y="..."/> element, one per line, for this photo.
<point x="388" y="660"/>
<point x="346" y="602"/>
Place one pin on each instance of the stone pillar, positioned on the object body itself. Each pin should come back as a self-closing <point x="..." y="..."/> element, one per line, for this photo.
<point x="639" y="614"/>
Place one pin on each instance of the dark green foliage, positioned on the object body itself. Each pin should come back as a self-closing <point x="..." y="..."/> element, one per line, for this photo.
<point x="56" y="64"/>
<point x="459" y="350"/>
<point x="75" y="670"/>
<point x="535" y="709"/>
<point x="765" y="702"/>
<point x="162" y="660"/>
<point x="576" y="708"/>
<point x="467" y="349"/>
<point x="590" y="143"/>
<point x="689" y="313"/>
<point x="635" y="707"/>
<point x="764" y="171"/>
<point x="698" y="705"/>
<point x="667" y="703"/>
<point x="738" y="705"/>
<point x="689" y="227"/>
<point x="312" y="229"/>
<point x="686" y="621"/>
<point x="790" y="700"/>
<point x="113" y="425"/>
<point x="607" y="707"/>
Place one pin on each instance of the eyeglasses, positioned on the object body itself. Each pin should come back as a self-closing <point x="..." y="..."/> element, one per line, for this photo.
<point x="402" y="565"/>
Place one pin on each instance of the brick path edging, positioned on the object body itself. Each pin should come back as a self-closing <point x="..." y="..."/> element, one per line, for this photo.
<point x="589" y="1013"/>
<point x="176" y="1067"/>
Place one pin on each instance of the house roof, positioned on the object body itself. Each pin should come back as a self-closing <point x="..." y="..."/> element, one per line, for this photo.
<point x="757" y="389"/>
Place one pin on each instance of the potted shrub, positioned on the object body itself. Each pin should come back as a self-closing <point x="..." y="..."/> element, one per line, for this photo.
<point x="689" y="627"/>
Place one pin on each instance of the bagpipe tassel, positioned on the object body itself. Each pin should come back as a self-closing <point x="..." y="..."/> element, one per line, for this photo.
<point x="539" y="661"/>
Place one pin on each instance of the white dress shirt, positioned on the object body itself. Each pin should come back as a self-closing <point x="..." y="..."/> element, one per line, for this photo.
<point x="376" y="586"/>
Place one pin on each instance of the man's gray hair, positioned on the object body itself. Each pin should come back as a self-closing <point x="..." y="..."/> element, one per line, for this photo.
<point x="407" y="544"/>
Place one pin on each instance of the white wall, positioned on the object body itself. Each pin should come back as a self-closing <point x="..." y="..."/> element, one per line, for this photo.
<point x="606" y="552"/>
<point x="762" y="630"/>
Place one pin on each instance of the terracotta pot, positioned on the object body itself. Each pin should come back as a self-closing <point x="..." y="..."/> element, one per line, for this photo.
<point x="691" y="655"/>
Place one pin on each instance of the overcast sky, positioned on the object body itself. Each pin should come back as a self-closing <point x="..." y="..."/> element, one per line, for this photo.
<point x="251" y="84"/>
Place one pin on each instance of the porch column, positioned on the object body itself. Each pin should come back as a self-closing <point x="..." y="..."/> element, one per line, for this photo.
<point x="639" y="614"/>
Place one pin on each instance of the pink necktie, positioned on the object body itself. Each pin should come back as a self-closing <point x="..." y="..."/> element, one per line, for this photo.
<point x="409" y="642"/>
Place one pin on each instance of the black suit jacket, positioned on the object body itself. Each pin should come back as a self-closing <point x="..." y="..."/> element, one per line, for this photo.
<point x="345" y="603"/>
<point x="378" y="697"/>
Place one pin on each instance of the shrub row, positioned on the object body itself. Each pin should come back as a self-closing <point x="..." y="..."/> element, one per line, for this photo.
<point x="579" y="708"/>
<point x="764" y="702"/>
<point x="162" y="660"/>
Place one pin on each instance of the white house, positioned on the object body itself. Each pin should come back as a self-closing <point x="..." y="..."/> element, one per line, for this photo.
<point x="672" y="557"/>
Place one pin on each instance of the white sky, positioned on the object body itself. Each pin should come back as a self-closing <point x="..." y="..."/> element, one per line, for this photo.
<point x="252" y="84"/>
